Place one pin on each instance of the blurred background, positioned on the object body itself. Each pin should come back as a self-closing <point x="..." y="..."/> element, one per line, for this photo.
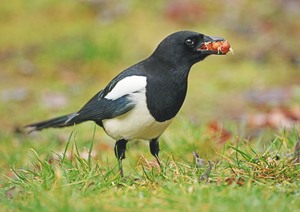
<point x="56" y="54"/>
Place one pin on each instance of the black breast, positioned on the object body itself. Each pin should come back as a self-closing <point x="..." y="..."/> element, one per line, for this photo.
<point x="165" y="95"/>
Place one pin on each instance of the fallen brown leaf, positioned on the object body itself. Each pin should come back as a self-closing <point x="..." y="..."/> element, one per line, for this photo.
<point x="218" y="132"/>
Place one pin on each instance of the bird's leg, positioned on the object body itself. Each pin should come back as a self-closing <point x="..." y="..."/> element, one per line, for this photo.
<point x="154" y="149"/>
<point x="120" y="148"/>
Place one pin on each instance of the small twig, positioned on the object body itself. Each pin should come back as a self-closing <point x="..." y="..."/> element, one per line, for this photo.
<point x="206" y="174"/>
<point x="199" y="161"/>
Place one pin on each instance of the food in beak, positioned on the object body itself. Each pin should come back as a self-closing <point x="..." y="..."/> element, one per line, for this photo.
<point x="222" y="47"/>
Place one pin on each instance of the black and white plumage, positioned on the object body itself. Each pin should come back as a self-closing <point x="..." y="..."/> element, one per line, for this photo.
<point x="142" y="101"/>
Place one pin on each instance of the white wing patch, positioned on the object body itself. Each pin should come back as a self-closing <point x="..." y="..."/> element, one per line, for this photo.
<point x="137" y="123"/>
<point x="128" y="85"/>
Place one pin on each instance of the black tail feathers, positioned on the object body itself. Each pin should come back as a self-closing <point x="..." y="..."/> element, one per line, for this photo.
<point x="62" y="121"/>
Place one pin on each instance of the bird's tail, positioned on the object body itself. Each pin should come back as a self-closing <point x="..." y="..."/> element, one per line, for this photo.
<point x="62" y="121"/>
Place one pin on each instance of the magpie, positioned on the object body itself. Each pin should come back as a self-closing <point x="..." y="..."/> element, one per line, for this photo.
<point x="142" y="101"/>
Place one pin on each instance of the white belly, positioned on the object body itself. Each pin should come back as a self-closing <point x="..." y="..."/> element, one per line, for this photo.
<point x="135" y="124"/>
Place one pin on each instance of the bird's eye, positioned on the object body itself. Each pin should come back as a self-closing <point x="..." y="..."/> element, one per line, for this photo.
<point x="189" y="42"/>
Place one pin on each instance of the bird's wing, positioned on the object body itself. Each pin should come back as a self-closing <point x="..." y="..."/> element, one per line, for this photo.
<point x="114" y="100"/>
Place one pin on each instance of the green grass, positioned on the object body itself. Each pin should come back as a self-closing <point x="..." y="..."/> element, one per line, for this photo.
<point x="70" y="48"/>
<point x="242" y="178"/>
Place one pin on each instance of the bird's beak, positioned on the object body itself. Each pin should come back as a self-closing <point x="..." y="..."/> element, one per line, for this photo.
<point x="212" y="38"/>
<point x="214" y="45"/>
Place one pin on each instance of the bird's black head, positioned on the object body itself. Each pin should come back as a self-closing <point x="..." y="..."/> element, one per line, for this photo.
<point x="186" y="48"/>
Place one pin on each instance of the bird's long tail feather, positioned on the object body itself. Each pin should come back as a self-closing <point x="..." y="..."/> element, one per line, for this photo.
<point x="62" y="121"/>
